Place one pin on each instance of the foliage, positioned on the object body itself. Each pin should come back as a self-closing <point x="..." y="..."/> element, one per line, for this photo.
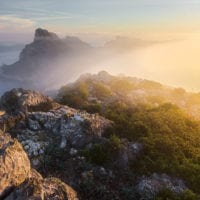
<point x="171" y="139"/>
<point x="101" y="154"/>
<point x="92" y="107"/>
<point x="101" y="91"/>
<point x="54" y="159"/>
<point x="74" y="97"/>
<point x="169" y="195"/>
<point x="90" y="190"/>
<point x="121" y="86"/>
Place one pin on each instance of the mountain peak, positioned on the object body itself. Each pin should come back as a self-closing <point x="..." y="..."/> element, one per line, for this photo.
<point x="44" y="34"/>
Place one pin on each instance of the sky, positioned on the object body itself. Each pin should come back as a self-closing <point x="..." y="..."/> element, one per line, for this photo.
<point x="174" y="63"/>
<point x="99" y="18"/>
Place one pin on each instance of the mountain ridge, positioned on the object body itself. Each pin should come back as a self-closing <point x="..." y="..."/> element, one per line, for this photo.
<point x="60" y="58"/>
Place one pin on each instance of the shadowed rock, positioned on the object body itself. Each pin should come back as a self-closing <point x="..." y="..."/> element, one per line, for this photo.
<point x="15" y="165"/>
<point x="20" y="182"/>
<point x="26" y="100"/>
<point x="44" y="34"/>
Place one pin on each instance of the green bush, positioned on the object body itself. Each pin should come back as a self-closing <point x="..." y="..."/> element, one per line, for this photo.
<point x="102" y="154"/>
<point x="169" y="195"/>
<point x="97" y="154"/>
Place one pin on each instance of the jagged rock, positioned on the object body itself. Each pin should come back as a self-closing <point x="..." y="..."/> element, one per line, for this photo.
<point x="2" y="112"/>
<point x="76" y="127"/>
<point x="9" y="121"/>
<point x="41" y="34"/>
<point x="73" y="152"/>
<point x="34" y="125"/>
<point x="19" y="99"/>
<point x="42" y="189"/>
<point x="148" y="187"/>
<point x="34" y="143"/>
<point x="36" y="120"/>
<point x="14" y="163"/>
<point x="18" y="181"/>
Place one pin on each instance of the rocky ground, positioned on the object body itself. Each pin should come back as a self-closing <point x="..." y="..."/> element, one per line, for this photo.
<point x="55" y="140"/>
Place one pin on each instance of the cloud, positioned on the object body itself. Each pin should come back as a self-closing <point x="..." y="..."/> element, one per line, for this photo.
<point x="15" y="23"/>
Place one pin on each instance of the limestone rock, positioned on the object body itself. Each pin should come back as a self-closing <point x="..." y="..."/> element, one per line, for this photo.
<point x="148" y="187"/>
<point x="15" y="165"/>
<point x="19" y="99"/>
<point x="20" y="182"/>
<point x="2" y="112"/>
<point x="9" y="121"/>
<point x="77" y="127"/>
<point x="43" y="189"/>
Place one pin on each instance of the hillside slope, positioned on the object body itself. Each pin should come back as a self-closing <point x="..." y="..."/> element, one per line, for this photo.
<point x="102" y="89"/>
<point x="163" y="120"/>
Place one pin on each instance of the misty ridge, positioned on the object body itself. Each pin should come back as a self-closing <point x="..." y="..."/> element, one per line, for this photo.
<point x="50" y="62"/>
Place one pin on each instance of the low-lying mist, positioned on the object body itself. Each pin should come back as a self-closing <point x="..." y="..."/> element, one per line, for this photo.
<point x="174" y="63"/>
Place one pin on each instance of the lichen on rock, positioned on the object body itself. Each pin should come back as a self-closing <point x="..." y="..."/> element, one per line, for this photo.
<point x="18" y="181"/>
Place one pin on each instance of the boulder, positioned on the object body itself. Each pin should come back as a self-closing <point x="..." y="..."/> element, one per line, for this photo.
<point x="9" y="121"/>
<point x="2" y="112"/>
<point x="78" y="128"/>
<point x="19" y="99"/>
<point x="14" y="162"/>
<point x="20" y="182"/>
<point x="148" y="187"/>
<point x="42" y="189"/>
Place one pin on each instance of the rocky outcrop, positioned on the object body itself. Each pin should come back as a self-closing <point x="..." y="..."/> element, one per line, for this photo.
<point x="17" y="102"/>
<point x="18" y="181"/>
<point x="38" y="122"/>
<point x="148" y="187"/>
<point x="19" y="99"/>
<point x="47" y="62"/>
<point x="42" y="189"/>
<point x="2" y="112"/>
<point x="41" y="34"/>
<point x="15" y="165"/>
<point x="9" y="121"/>
<point x="62" y="128"/>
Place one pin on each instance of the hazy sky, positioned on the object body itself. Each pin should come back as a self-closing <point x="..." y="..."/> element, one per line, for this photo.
<point x="99" y="18"/>
<point x="175" y="63"/>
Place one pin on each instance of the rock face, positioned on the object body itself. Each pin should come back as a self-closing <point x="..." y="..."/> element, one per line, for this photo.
<point x="15" y="165"/>
<point x="9" y="121"/>
<point x="64" y="128"/>
<point x="148" y="187"/>
<point x="26" y="100"/>
<point x="41" y="34"/>
<point x="42" y="189"/>
<point x="18" y="181"/>
<point x="38" y="129"/>
<point x="38" y="122"/>
<point x="47" y="54"/>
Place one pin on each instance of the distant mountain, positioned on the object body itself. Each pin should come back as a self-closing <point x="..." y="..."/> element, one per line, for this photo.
<point x="125" y="43"/>
<point x="9" y="48"/>
<point x="36" y="59"/>
<point x="49" y="61"/>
